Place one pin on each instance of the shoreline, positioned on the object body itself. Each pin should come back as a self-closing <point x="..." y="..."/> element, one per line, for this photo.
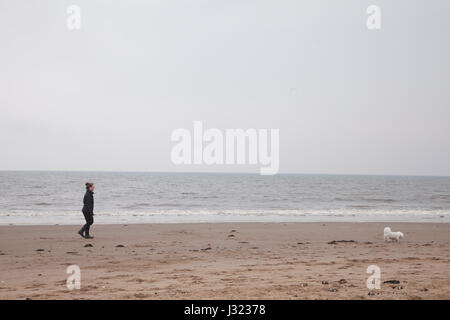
<point x="245" y="260"/>
<point x="223" y="222"/>
<point x="100" y="219"/>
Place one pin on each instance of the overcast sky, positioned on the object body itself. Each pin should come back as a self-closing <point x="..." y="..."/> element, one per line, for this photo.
<point x="107" y="97"/>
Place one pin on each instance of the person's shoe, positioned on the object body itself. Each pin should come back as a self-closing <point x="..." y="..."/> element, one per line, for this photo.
<point x="88" y="236"/>
<point x="81" y="233"/>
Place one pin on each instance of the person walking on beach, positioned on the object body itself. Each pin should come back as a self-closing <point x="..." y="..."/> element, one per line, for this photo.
<point x="88" y="210"/>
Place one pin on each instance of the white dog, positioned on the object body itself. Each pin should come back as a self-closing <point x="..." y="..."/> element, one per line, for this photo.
<point x="389" y="235"/>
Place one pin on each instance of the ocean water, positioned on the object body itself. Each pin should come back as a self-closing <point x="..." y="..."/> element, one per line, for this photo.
<point x="56" y="197"/>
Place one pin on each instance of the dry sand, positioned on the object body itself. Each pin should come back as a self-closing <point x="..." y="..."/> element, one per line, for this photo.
<point x="225" y="261"/>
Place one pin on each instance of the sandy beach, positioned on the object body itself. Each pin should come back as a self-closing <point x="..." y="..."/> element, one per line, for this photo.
<point x="226" y="261"/>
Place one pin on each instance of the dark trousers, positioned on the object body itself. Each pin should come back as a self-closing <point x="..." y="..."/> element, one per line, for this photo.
<point x="89" y="221"/>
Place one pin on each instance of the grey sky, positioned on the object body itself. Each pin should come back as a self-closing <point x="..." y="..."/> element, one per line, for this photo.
<point x="107" y="97"/>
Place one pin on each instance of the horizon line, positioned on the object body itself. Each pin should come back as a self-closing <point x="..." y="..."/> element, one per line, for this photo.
<point x="234" y="173"/>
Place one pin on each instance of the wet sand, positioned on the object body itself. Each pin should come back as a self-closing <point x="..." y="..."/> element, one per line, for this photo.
<point x="226" y="261"/>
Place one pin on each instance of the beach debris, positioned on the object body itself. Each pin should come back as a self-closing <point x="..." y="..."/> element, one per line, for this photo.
<point x="88" y="245"/>
<point x="304" y="284"/>
<point x="324" y="282"/>
<point x="397" y="287"/>
<point x="71" y="252"/>
<point x="392" y="281"/>
<point x="371" y="293"/>
<point x="425" y="289"/>
<point x="207" y="248"/>
<point x="120" y="246"/>
<point x="230" y="235"/>
<point x="333" y="290"/>
<point x="341" y="241"/>
<point x="39" y="250"/>
<point x="233" y="231"/>
<point x="342" y="281"/>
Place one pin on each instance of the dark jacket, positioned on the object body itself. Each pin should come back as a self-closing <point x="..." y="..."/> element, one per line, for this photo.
<point x="88" y="203"/>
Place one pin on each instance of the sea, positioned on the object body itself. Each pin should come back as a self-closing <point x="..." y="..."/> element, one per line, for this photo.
<point x="48" y="198"/>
